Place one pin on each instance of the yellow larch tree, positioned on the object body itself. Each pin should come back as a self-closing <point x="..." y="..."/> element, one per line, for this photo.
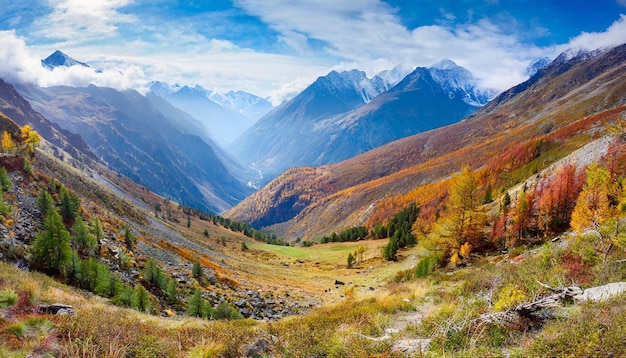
<point x="7" y="142"/>
<point x="30" y="139"/>
<point x="594" y="206"/>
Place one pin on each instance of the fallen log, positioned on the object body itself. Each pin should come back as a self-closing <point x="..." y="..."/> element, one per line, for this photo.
<point x="531" y="315"/>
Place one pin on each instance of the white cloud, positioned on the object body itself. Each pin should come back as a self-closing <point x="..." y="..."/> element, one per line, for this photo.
<point x="17" y="64"/>
<point x="77" y="19"/>
<point x="324" y="34"/>
<point x="367" y="33"/>
<point x="614" y="35"/>
<point x="289" y="90"/>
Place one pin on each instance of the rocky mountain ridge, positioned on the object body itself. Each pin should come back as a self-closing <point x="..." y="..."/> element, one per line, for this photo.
<point x="344" y="114"/>
<point x="307" y="202"/>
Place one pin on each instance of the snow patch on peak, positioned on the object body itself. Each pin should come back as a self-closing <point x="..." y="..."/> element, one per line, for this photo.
<point x="249" y="105"/>
<point x="59" y="59"/>
<point x="445" y="64"/>
<point x="577" y="54"/>
<point x="537" y="65"/>
<point x="459" y="81"/>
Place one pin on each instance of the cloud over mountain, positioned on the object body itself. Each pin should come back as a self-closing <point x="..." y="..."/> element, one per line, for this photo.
<point x="18" y="64"/>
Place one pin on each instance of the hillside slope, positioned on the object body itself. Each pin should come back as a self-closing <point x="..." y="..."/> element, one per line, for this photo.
<point x="19" y="110"/>
<point x="315" y="201"/>
<point x="130" y="135"/>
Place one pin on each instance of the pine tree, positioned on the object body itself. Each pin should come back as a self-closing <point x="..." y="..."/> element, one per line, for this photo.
<point x="4" y="208"/>
<point x="51" y="251"/>
<point x="129" y="238"/>
<point x="89" y="270"/>
<point x="506" y="201"/>
<point x="75" y="200"/>
<point x="76" y="267"/>
<point x="390" y="250"/>
<point x="226" y="311"/>
<point x="67" y="206"/>
<point x="5" y="182"/>
<point x="83" y="240"/>
<point x="53" y="185"/>
<point x="196" y="271"/>
<point x="466" y="219"/>
<point x="96" y="228"/>
<point x="103" y="281"/>
<point x="30" y="139"/>
<point x="122" y="294"/>
<point x="28" y="169"/>
<point x="140" y="299"/>
<point x="45" y="202"/>
<point x="195" y="304"/>
<point x="171" y="293"/>
<point x="360" y="251"/>
<point x="351" y="260"/>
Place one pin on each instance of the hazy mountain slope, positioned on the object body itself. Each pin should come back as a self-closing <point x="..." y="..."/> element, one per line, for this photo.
<point x="250" y="106"/>
<point x="331" y="197"/>
<point x="187" y="124"/>
<point x="133" y="138"/>
<point x="270" y="143"/>
<point x="344" y="114"/>
<point x="18" y="109"/>
<point x="222" y="123"/>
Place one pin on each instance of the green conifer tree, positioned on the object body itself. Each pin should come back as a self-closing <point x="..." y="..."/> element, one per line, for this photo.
<point x="129" y="238"/>
<point x="171" y="294"/>
<point x="140" y="299"/>
<point x="51" y="251"/>
<point x="195" y="304"/>
<point x="67" y="207"/>
<point x="122" y="293"/>
<point x="103" y="281"/>
<point x="45" y="202"/>
<point x="5" y="182"/>
<point x="53" y="185"/>
<point x="84" y="241"/>
<point x="196" y="271"/>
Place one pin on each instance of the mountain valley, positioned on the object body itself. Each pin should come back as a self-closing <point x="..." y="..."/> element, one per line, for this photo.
<point x="410" y="214"/>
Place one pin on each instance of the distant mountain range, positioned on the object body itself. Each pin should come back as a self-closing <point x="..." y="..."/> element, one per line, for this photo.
<point x="564" y="102"/>
<point x="344" y="114"/>
<point x="171" y="138"/>
<point x="133" y="137"/>
<point x="224" y="116"/>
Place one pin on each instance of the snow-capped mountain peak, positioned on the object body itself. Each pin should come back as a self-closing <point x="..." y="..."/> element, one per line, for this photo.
<point x="59" y="59"/>
<point x="537" y="65"/>
<point x="457" y="80"/>
<point x="249" y="105"/>
<point x="445" y="64"/>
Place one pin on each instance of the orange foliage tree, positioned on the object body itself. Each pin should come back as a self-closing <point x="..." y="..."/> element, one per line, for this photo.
<point x="594" y="204"/>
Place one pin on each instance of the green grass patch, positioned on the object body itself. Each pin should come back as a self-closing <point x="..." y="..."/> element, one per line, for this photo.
<point x="332" y="253"/>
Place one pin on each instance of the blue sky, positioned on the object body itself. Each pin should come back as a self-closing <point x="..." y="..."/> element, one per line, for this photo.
<point x="275" y="48"/>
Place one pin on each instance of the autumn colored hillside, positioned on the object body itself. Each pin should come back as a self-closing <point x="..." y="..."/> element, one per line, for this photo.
<point x="567" y="105"/>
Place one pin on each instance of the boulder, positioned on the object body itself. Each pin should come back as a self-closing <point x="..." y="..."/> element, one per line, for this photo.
<point x="258" y="349"/>
<point x="602" y="293"/>
<point x="57" y="308"/>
